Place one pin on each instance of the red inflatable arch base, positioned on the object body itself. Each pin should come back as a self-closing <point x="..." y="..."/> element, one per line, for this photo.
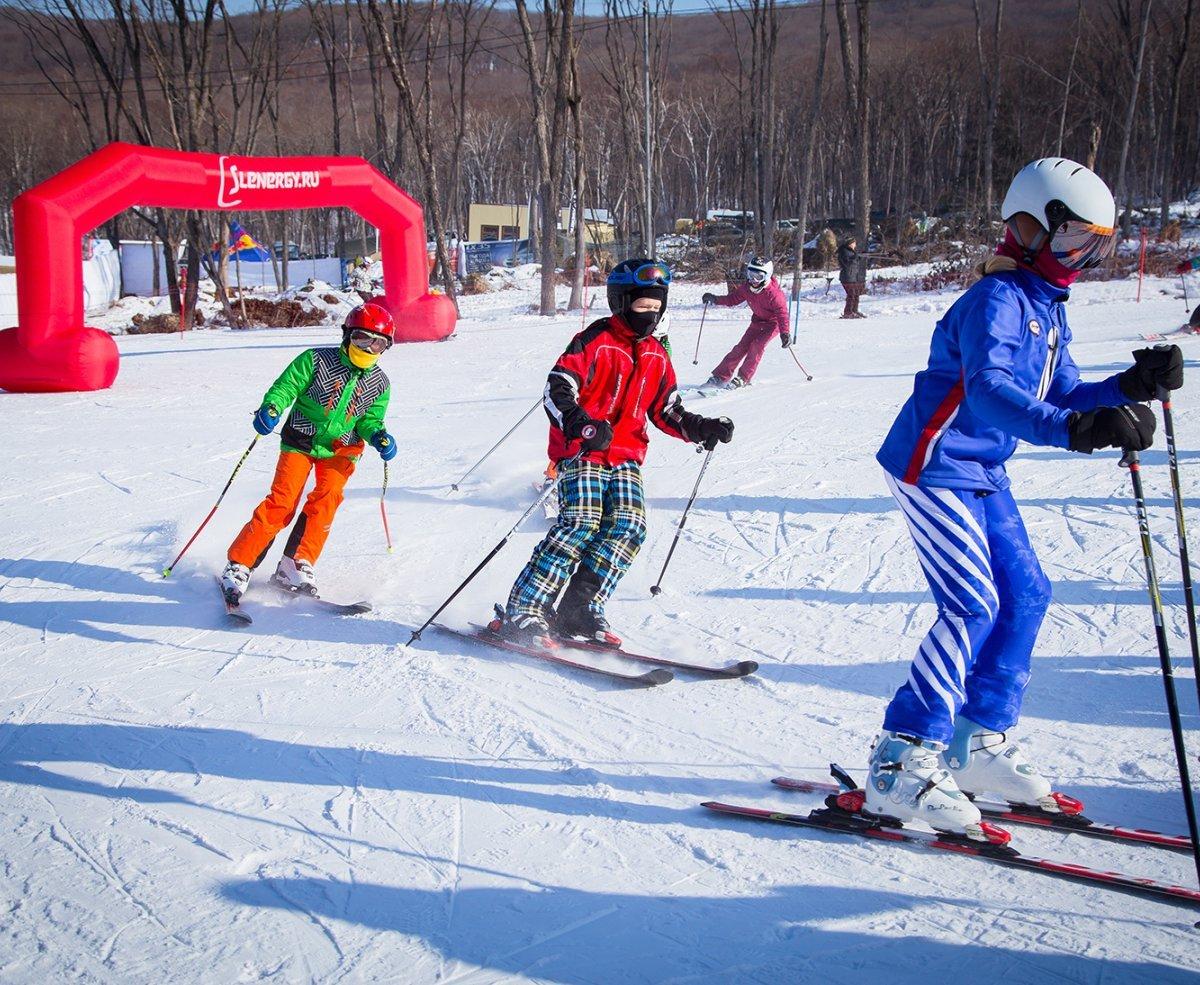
<point x="51" y="350"/>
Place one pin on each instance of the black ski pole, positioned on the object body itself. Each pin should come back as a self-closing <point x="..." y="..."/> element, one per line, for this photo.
<point x="491" y="554"/>
<point x="1164" y="396"/>
<point x="656" y="588"/>
<point x="1131" y="461"/>
<point x="802" y="369"/>
<point x="246" y="454"/>
<point x="703" y="315"/>
<point x="497" y="444"/>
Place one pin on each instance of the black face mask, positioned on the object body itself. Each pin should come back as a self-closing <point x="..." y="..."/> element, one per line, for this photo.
<point x="642" y="322"/>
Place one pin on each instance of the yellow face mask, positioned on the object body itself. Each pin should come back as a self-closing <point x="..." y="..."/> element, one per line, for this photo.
<point x="361" y="358"/>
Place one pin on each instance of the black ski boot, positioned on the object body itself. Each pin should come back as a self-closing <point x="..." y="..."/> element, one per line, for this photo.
<point x="585" y="626"/>
<point x="575" y="619"/>
<point x="524" y="629"/>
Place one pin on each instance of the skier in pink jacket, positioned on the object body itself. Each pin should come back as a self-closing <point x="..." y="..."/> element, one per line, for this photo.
<point x="769" y="316"/>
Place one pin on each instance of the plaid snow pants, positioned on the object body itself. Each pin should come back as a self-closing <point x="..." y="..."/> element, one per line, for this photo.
<point x="601" y="524"/>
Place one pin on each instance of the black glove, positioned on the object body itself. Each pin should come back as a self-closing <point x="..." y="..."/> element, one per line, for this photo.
<point x="785" y="341"/>
<point x="1152" y="368"/>
<point x="709" y="430"/>
<point x="596" y="435"/>
<point x="708" y="299"/>
<point x="1112" y="427"/>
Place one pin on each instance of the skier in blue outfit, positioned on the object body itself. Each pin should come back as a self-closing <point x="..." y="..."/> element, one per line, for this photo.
<point x="999" y="371"/>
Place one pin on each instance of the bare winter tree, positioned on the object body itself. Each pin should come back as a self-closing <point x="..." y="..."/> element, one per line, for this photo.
<point x="468" y="19"/>
<point x="1123" y="195"/>
<point x="764" y="30"/>
<point x="579" y="184"/>
<point x="1062" y="119"/>
<point x="1178" y="58"/>
<point x="989" y="75"/>
<point x="401" y="24"/>
<point x="806" y="166"/>
<point x="857" y="73"/>
<point x="548" y="67"/>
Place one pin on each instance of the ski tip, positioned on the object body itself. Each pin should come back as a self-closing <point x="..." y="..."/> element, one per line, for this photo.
<point x="656" y="677"/>
<point x="744" y="668"/>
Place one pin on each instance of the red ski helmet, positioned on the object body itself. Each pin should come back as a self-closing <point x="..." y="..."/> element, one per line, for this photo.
<point x="370" y="317"/>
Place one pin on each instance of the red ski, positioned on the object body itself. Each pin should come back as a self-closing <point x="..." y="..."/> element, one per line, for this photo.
<point x="741" y="669"/>
<point x="845" y="822"/>
<point x="481" y="634"/>
<point x="1069" y="820"/>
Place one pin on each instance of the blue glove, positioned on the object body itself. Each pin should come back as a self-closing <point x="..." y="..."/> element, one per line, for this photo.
<point x="265" y="419"/>
<point x="385" y="444"/>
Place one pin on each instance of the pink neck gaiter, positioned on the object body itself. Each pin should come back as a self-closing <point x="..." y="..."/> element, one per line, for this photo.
<point x="1044" y="264"/>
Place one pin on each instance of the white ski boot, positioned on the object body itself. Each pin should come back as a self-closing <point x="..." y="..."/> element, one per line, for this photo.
<point x="986" y="762"/>
<point x="235" y="579"/>
<point x="296" y="576"/>
<point x="906" y="781"/>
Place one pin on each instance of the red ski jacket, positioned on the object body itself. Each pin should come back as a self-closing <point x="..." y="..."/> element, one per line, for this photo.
<point x="767" y="307"/>
<point x="608" y="374"/>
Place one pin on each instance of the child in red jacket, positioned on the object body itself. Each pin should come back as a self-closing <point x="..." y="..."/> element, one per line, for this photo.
<point x="768" y="316"/>
<point x="614" y="377"/>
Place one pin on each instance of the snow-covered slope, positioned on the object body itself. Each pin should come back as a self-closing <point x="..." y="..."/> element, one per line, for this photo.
<point x="309" y="800"/>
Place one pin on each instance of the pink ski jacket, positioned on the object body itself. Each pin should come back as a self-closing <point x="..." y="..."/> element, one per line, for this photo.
<point x="767" y="307"/>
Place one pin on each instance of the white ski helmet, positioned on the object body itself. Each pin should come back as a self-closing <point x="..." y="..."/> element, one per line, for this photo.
<point x="1073" y="206"/>
<point x="758" y="272"/>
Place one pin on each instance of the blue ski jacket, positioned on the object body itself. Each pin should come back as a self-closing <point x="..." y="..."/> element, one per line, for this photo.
<point x="999" y="371"/>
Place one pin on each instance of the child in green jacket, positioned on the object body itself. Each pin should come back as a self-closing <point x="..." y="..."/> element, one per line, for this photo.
<point x="338" y="398"/>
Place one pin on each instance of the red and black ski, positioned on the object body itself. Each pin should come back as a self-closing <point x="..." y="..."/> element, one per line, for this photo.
<point x="1070" y="820"/>
<point x="480" y="634"/>
<point x="741" y="669"/>
<point x="844" y="822"/>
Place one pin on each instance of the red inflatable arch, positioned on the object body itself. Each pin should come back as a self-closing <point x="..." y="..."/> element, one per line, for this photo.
<point x="50" y="349"/>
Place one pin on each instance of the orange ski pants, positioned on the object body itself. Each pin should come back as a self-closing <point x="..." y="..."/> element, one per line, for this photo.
<point x="277" y="510"/>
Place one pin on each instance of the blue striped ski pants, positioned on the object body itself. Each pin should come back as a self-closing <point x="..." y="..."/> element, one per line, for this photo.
<point x="991" y="597"/>
<point x="601" y="524"/>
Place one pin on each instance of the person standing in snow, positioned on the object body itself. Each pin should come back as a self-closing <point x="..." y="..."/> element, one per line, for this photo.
<point x="852" y="272"/>
<point x="999" y="371"/>
<point x="340" y="397"/>
<point x="614" y="377"/>
<point x="768" y="317"/>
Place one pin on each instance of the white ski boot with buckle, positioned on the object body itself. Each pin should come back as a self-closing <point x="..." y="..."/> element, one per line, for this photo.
<point x="907" y="782"/>
<point x="986" y="762"/>
<point x="296" y="576"/>
<point x="235" y="579"/>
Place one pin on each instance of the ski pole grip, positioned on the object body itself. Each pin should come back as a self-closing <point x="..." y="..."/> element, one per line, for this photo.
<point x="1163" y="394"/>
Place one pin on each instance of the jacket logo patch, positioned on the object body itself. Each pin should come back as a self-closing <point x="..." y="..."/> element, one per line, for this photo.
<point x="1034" y="326"/>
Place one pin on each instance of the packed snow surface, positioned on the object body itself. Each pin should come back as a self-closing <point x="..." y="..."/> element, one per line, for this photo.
<point x="307" y="799"/>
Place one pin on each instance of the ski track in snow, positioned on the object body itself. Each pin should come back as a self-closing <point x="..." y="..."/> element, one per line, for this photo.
<point x="309" y="800"/>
